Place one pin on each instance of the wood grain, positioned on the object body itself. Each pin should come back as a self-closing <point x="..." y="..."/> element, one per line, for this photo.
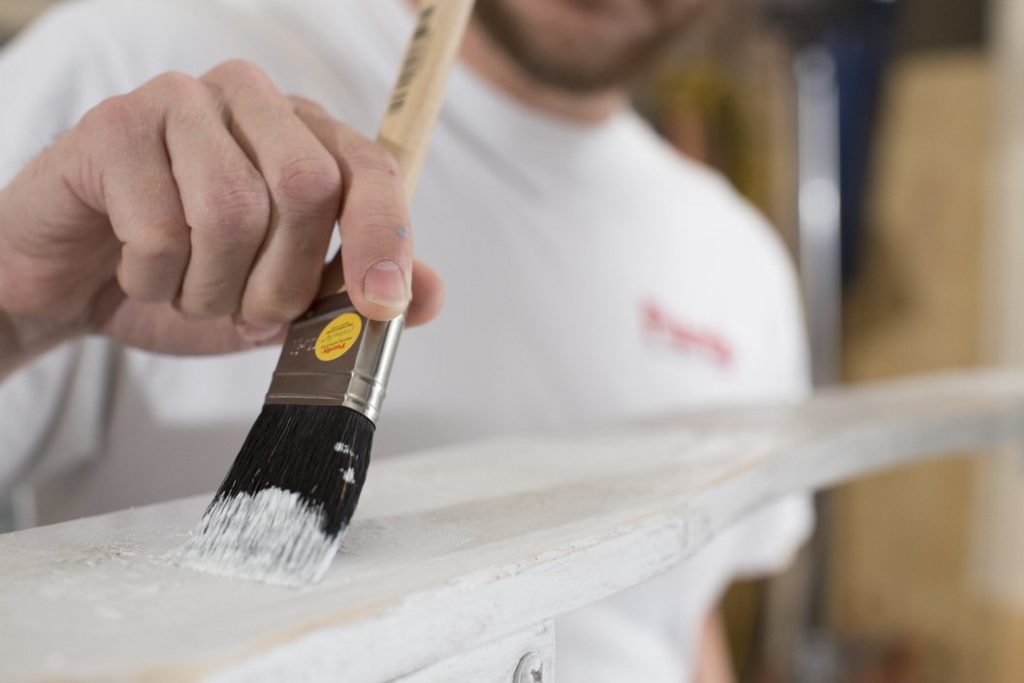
<point x="460" y="547"/>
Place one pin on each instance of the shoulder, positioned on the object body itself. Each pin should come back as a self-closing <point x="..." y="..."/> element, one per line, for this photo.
<point x="89" y="18"/>
<point x="201" y="25"/>
<point x="116" y="15"/>
<point x="296" y="42"/>
<point x="696" y="204"/>
<point x="76" y="54"/>
<point x="137" y="36"/>
<point x="731" y="265"/>
<point x="110" y="44"/>
<point x="132" y="35"/>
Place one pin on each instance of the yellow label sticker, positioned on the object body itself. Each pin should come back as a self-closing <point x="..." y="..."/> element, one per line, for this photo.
<point x="338" y="336"/>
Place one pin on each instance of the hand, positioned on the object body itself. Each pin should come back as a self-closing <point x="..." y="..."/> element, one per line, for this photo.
<point x="194" y="215"/>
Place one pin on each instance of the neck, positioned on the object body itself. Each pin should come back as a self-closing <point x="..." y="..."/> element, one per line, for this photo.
<point x="495" y="66"/>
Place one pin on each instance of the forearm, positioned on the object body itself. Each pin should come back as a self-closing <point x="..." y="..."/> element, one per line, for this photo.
<point x="22" y="340"/>
<point x="10" y="346"/>
<point x="713" y="663"/>
<point x="12" y="350"/>
<point x="23" y="335"/>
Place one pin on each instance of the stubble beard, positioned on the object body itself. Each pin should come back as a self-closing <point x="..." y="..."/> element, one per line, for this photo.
<point x="572" y="63"/>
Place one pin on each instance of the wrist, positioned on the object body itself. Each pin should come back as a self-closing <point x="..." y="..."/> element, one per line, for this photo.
<point x="13" y="347"/>
<point x="23" y="334"/>
<point x="10" y="345"/>
<point x="23" y="338"/>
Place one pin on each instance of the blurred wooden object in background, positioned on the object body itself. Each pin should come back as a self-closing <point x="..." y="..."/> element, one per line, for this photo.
<point x="900" y="575"/>
<point x="14" y="14"/>
<point x="998" y="522"/>
<point x="725" y="98"/>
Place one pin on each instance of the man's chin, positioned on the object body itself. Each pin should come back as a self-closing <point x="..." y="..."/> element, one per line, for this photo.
<point x="575" y="77"/>
<point x="584" y="59"/>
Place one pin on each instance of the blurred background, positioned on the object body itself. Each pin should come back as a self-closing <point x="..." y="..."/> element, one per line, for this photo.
<point x="885" y="140"/>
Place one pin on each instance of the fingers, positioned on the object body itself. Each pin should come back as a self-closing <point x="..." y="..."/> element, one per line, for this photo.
<point x="224" y="194"/>
<point x="427" y="291"/>
<point x="304" y="184"/>
<point x="138" y="192"/>
<point x="374" y="224"/>
<point x="427" y="295"/>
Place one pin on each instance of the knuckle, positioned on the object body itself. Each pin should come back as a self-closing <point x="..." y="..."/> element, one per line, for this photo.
<point x="164" y="243"/>
<point x="205" y="308"/>
<point x="304" y="104"/>
<point x="379" y="224"/>
<point x="240" y="72"/>
<point x="137" y="289"/>
<point x="175" y="86"/>
<point x="369" y="156"/>
<point x="132" y="286"/>
<point x="210" y="301"/>
<point x="309" y="182"/>
<point x="125" y="118"/>
<point x="114" y="119"/>
<point x="235" y="210"/>
<point x="282" y="303"/>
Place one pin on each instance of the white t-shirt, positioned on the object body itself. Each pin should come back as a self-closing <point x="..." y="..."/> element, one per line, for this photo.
<point x="593" y="273"/>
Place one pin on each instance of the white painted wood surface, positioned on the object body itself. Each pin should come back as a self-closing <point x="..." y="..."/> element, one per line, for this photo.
<point x="529" y="654"/>
<point x="459" y="548"/>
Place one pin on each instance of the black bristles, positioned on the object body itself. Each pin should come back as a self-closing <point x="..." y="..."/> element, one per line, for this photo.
<point x="286" y="502"/>
<point x="306" y="449"/>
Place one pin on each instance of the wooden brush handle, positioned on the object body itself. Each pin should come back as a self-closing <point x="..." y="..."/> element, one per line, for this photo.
<point x="417" y="95"/>
<point x="415" y="100"/>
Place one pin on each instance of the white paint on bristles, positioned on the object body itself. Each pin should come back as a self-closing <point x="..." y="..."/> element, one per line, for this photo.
<point x="349" y="476"/>
<point x="272" y="536"/>
<point x="342" y="447"/>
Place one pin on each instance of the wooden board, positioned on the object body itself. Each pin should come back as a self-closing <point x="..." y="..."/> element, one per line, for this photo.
<point x="460" y="547"/>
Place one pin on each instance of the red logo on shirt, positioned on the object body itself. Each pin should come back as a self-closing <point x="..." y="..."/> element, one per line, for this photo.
<point x="681" y="337"/>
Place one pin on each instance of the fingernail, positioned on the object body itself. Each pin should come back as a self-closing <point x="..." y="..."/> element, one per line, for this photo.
<point x="259" y="333"/>
<point x="385" y="285"/>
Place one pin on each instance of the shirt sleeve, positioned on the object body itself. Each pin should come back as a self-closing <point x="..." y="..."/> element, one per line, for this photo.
<point x="52" y="73"/>
<point x="765" y="540"/>
<point x="30" y="402"/>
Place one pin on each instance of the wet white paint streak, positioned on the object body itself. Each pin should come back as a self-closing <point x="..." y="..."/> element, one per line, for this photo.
<point x="272" y="536"/>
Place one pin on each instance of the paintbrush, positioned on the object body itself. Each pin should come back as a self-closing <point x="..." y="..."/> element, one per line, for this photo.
<point x="281" y="512"/>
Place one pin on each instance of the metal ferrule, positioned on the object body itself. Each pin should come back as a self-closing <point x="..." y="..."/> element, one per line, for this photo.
<point x="356" y="379"/>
